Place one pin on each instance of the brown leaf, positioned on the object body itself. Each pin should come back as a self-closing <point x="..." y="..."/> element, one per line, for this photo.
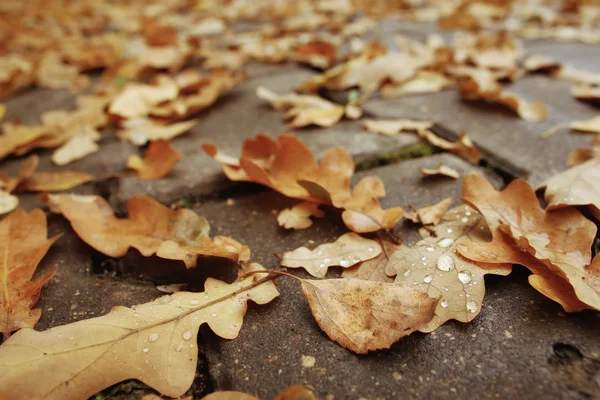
<point x="298" y="216"/>
<point x="345" y="252"/>
<point x="432" y="215"/>
<point x="587" y="93"/>
<point x="560" y="241"/>
<point x="374" y="269"/>
<point x="364" y="315"/>
<point x="16" y="136"/>
<point x="294" y="392"/>
<point x="483" y="86"/>
<point x="317" y="52"/>
<point x="153" y="342"/>
<point x="24" y="243"/>
<point x="541" y="63"/>
<point x="288" y="166"/>
<point x="158" y="160"/>
<point x="433" y="266"/>
<point x="304" y="110"/>
<point x="229" y="395"/>
<point x="393" y="127"/>
<point x="54" y="181"/>
<point x="137" y="99"/>
<point x="151" y="228"/>
<point x="442" y="170"/>
<point x="464" y="147"/>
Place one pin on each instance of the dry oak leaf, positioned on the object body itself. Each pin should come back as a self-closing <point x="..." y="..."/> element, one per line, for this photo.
<point x="483" y="86"/>
<point x="298" y="216"/>
<point x="139" y="131"/>
<point x="442" y="170"/>
<point x="554" y="245"/>
<point x="26" y="170"/>
<point x="365" y="315"/>
<point x="464" y="147"/>
<point x="303" y="110"/>
<point x="433" y="214"/>
<point x="82" y="144"/>
<point x="374" y="269"/>
<point x="393" y="127"/>
<point x="422" y="82"/>
<point x="24" y="243"/>
<point x="153" y="342"/>
<point x="16" y="136"/>
<point x="348" y="250"/>
<point x="289" y="167"/>
<point x="577" y="186"/>
<point x="136" y="100"/>
<point x="158" y="160"/>
<point x="433" y="267"/>
<point x="591" y="125"/>
<point x="587" y="93"/>
<point x="151" y="228"/>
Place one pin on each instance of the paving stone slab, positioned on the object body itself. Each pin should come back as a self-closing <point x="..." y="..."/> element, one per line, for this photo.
<point x="506" y="140"/>
<point x="504" y="352"/>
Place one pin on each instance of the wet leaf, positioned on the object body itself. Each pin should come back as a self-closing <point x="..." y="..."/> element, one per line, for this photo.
<point x="298" y="216"/>
<point x="374" y="269"/>
<point x="153" y="342"/>
<point x="158" y="160"/>
<point x="555" y="245"/>
<point x="24" y="238"/>
<point x="151" y="228"/>
<point x="345" y="252"/>
<point x="364" y="315"/>
<point x="432" y="266"/>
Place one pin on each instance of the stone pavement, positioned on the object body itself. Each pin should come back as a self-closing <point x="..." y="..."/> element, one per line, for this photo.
<point x="521" y="345"/>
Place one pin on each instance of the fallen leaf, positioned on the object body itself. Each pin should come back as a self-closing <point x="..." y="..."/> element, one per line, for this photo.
<point x="153" y="342"/>
<point x="8" y="202"/>
<point x="304" y="110"/>
<point x="151" y="229"/>
<point x="26" y="170"/>
<point x="578" y="76"/>
<point x="24" y="243"/>
<point x="2" y="111"/>
<point x="364" y="315"/>
<point x="158" y="160"/>
<point x="54" y="181"/>
<point x="54" y="73"/>
<point x="345" y="252"/>
<point x="294" y="392"/>
<point x="591" y="125"/>
<point x="316" y="52"/>
<point x="137" y="99"/>
<point x="140" y="131"/>
<point x="442" y="170"/>
<point x="464" y="147"/>
<point x="374" y="269"/>
<point x="482" y="86"/>
<point x="298" y="216"/>
<point x="555" y="245"/>
<point x="541" y="63"/>
<point x="288" y="166"/>
<point x="229" y="395"/>
<point x="16" y="136"/>
<point x="393" y="127"/>
<point x="434" y="267"/>
<point x="82" y="144"/>
<point x="423" y="82"/>
<point x="577" y="186"/>
<point x="432" y="215"/>
<point x="587" y="93"/>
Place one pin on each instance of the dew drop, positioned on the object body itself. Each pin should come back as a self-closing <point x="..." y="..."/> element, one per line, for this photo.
<point x="326" y="261"/>
<point x="154" y="337"/>
<point x="430" y="249"/>
<point x="445" y="242"/>
<point x="145" y="349"/>
<point x="471" y="306"/>
<point x="423" y="258"/>
<point x="344" y="262"/>
<point x="468" y="213"/>
<point x="464" y="220"/>
<point x="444" y="303"/>
<point x="428" y="278"/>
<point x="322" y="265"/>
<point x="445" y="263"/>
<point x="449" y="230"/>
<point x="187" y="335"/>
<point x="195" y="302"/>
<point x="214" y="315"/>
<point x="407" y="272"/>
<point x="370" y="249"/>
<point x="464" y="276"/>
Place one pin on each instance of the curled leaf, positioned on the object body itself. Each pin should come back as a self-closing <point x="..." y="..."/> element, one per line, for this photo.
<point x="345" y="252"/>
<point x="442" y="170"/>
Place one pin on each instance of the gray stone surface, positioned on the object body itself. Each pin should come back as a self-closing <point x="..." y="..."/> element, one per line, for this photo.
<point x="502" y="353"/>
<point x="504" y="138"/>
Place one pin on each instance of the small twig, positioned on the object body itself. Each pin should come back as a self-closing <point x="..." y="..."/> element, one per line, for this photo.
<point x="546" y="134"/>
